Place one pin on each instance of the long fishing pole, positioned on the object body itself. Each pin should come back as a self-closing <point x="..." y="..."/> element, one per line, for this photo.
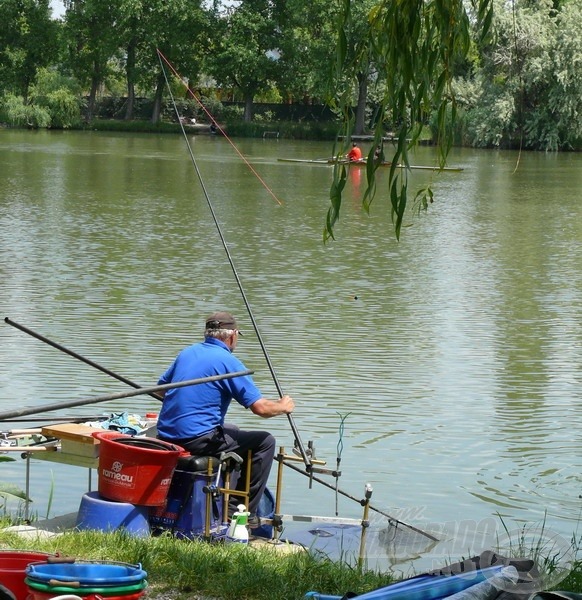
<point x="74" y="354"/>
<point x="298" y="441"/>
<point x="77" y="419"/>
<point x="31" y="410"/>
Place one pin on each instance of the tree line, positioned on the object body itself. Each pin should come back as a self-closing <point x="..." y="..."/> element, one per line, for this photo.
<point x="370" y="60"/>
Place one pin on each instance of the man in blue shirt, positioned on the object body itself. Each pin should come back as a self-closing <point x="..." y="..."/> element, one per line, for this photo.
<point x="193" y="416"/>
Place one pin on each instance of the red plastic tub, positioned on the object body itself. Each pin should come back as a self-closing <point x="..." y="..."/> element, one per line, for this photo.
<point x="13" y="565"/>
<point x="137" y="470"/>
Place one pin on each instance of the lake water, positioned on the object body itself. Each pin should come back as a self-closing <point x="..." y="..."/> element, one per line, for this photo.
<point x="453" y="358"/>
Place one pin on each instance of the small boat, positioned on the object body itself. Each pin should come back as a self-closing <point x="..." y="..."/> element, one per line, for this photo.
<point x="363" y="163"/>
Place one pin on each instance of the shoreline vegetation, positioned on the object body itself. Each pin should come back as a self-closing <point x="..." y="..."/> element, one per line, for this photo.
<point x="196" y="570"/>
<point x="273" y="130"/>
<point x="270" y="130"/>
<point x="324" y="131"/>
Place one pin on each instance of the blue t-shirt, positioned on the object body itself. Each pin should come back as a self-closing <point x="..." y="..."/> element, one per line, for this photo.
<point x="188" y="412"/>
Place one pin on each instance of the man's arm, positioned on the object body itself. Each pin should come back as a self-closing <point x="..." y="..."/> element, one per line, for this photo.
<point x="271" y="408"/>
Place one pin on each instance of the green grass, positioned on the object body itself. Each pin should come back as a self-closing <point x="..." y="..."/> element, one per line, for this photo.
<point x="557" y="560"/>
<point x="184" y="569"/>
<point x="225" y="571"/>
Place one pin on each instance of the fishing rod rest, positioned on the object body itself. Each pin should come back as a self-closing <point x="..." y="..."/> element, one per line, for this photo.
<point x="312" y="468"/>
<point x="365" y="502"/>
<point x="224" y="463"/>
<point x="228" y="462"/>
<point x="310" y="452"/>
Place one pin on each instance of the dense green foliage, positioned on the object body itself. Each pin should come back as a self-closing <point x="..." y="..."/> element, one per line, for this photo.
<point x="526" y="89"/>
<point x="385" y="65"/>
<point x="488" y="73"/>
<point x="29" y="41"/>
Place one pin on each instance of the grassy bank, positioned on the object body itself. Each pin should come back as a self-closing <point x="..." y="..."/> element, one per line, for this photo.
<point x="181" y="569"/>
<point x="308" y="130"/>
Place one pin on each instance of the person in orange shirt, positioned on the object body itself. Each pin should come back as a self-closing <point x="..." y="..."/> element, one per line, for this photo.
<point x="355" y="154"/>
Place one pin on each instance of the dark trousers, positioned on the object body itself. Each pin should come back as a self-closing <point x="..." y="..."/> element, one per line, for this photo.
<point x="229" y="438"/>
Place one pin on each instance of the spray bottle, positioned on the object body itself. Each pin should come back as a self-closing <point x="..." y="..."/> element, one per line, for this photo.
<point x="237" y="531"/>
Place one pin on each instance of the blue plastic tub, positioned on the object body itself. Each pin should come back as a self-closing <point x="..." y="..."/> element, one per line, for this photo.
<point x="86" y="574"/>
<point x="100" y="514"/>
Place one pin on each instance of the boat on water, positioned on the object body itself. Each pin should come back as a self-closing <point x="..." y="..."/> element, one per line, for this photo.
<point x="363" y="163"/>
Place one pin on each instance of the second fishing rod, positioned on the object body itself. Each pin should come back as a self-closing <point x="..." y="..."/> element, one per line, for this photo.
<point x="298" y="442"/>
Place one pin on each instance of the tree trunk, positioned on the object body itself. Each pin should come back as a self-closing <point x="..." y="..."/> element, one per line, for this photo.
<point x="92" y="97"/>
<point x="248" y="114"/>
<point x="360" y="124"/>
<point x="157" y="108"/>
<point x="130" y="75"/>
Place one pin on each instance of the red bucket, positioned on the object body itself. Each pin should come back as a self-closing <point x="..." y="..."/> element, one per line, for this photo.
<point x="13" y="565"/>
<point x="137" y="470"/>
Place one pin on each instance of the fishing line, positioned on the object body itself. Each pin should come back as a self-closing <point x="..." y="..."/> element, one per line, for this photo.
<point x="213" y="120"/>
<point x="340" y="449"/>
<point x="298" y="441"/>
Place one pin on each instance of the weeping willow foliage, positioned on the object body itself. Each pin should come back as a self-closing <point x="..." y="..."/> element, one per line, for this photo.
<point x="407" y="50"/>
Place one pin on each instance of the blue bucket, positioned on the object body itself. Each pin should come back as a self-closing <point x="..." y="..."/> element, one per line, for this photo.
<point x="86" y="574"/>
<point x="101" y="514"/>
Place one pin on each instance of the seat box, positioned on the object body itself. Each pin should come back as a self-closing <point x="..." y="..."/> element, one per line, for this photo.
<point x="184" y="513"/>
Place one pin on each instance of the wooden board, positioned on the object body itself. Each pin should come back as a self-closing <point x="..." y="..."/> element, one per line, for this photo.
<point x="72" y="431"/>
<point x="75" y="438"/>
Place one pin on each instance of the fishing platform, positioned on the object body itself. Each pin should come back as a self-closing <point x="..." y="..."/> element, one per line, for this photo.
<point x="196" y="494"/>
